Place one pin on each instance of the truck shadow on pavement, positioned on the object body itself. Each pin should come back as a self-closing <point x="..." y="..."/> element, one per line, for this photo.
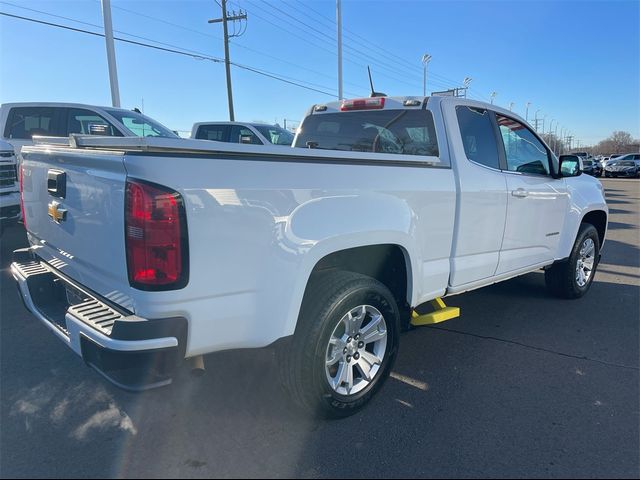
<point x="468" y="383"/>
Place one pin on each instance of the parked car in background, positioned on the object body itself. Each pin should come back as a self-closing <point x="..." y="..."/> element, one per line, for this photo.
<point x="19" y="122"/>
<point x="623" y="166"/>
<point x="9" y="191"/>
<point x="591" y="167"/>
<point x="241" y="132"/>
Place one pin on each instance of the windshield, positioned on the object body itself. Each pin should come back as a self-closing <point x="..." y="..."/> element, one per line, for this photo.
<point x="276" y="135"/>
<point x="140" y="125"/>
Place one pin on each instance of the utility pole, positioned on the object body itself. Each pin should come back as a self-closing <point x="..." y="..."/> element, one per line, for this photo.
<point x="493" y="95"/>
<point x="511" y="106"/>
<point x="339" y="26"/>
<point x="111" y="53"/>
<point x="227" y="63"/>
<point x="526" y="115"/>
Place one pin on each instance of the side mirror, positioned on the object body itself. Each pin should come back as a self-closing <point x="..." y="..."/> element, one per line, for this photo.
<point x="245" y="138"/>
<point x="98" y="129"/>
<point x="570" y="165"/>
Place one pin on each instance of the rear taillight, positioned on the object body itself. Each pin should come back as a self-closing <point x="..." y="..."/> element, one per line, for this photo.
<point x="156" y="237"/>
<point x="363" y="104"/>
<point x="24" y="216"/>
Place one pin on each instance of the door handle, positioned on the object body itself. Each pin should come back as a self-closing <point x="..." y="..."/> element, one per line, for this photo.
<point x="520" y="193"/>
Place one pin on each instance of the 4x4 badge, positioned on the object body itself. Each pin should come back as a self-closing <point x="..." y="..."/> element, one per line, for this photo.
<point x="56" y="213"/>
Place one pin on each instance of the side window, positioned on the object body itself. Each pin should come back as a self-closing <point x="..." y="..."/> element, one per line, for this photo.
<point x="478" y="136"/>
<point x="524" y="152"/>
<point x="238" y="132"/>
<point x="87" y="122"/>
<point x="25" y="122"/>
<point x="219" y="133"/>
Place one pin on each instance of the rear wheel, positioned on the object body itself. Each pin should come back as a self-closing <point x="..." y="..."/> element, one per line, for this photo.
<point x="344" y="345"/>
<point x="573" y="277"/>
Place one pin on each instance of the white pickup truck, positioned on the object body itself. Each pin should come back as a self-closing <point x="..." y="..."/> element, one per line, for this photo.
<point x="147" y="251"/>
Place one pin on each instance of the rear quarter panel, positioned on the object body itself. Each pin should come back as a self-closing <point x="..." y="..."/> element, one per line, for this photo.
<point x="258" y="228"/>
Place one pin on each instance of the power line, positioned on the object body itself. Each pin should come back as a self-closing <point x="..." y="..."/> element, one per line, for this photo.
<point x="322" y="36"/>
<point x="184" y="48"/>
<point x="211" y="36"/>
<point x="441" y="80"/>
<point x="368" y="44"/>
<point x="365" y="56"/>
<point x="170" y="50"/>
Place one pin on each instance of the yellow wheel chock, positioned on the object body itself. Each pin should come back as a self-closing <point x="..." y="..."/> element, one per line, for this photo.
<point x="441" y="313"/>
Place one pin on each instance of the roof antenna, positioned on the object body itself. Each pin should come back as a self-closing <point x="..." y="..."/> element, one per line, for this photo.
<point x="373" y="92"/>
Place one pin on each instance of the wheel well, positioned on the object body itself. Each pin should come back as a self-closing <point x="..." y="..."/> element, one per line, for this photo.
<point x="598" y="219"/>
<point x="386" y="263"/>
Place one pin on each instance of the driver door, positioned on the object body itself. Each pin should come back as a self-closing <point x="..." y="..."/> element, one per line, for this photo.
<point x="536" y="202"/>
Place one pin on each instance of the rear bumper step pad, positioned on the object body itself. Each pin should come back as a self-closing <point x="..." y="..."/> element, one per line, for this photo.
<point x="132" y="352"/>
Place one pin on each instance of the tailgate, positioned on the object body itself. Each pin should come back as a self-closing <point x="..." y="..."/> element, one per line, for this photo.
<point x="74" y="215"/>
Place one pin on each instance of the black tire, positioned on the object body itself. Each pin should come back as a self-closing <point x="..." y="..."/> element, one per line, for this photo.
<point x="328" y="298"/>
<point x="560" y="278"/>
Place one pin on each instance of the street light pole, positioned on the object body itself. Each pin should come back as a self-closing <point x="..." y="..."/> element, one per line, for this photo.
<point x="536" y="119"/>
<point x="493" y="95"/>
<point x="526" y="115"/>
<point x="111" y="53"/>
<point x="426" y="58"/>
<point x="511" y="104"/>
<point x="339" y="26"/>
<point x="466" y="82"/>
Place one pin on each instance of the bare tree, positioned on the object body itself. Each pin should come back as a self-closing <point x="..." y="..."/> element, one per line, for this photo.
<point x="617" y="142"/>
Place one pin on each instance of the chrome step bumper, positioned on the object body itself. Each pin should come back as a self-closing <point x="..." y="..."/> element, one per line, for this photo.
<point x="132" y="352"/>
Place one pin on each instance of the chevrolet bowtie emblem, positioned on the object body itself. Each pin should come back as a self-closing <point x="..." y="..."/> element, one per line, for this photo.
<point x="56" y="213"/>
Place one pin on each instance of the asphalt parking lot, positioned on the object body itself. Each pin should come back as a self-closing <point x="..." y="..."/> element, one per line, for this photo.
<point x="522" y="385"/>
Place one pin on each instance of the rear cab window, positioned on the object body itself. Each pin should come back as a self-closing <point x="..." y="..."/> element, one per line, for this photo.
<point x="391" y="131"/>
<point x="25" y="122"/>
